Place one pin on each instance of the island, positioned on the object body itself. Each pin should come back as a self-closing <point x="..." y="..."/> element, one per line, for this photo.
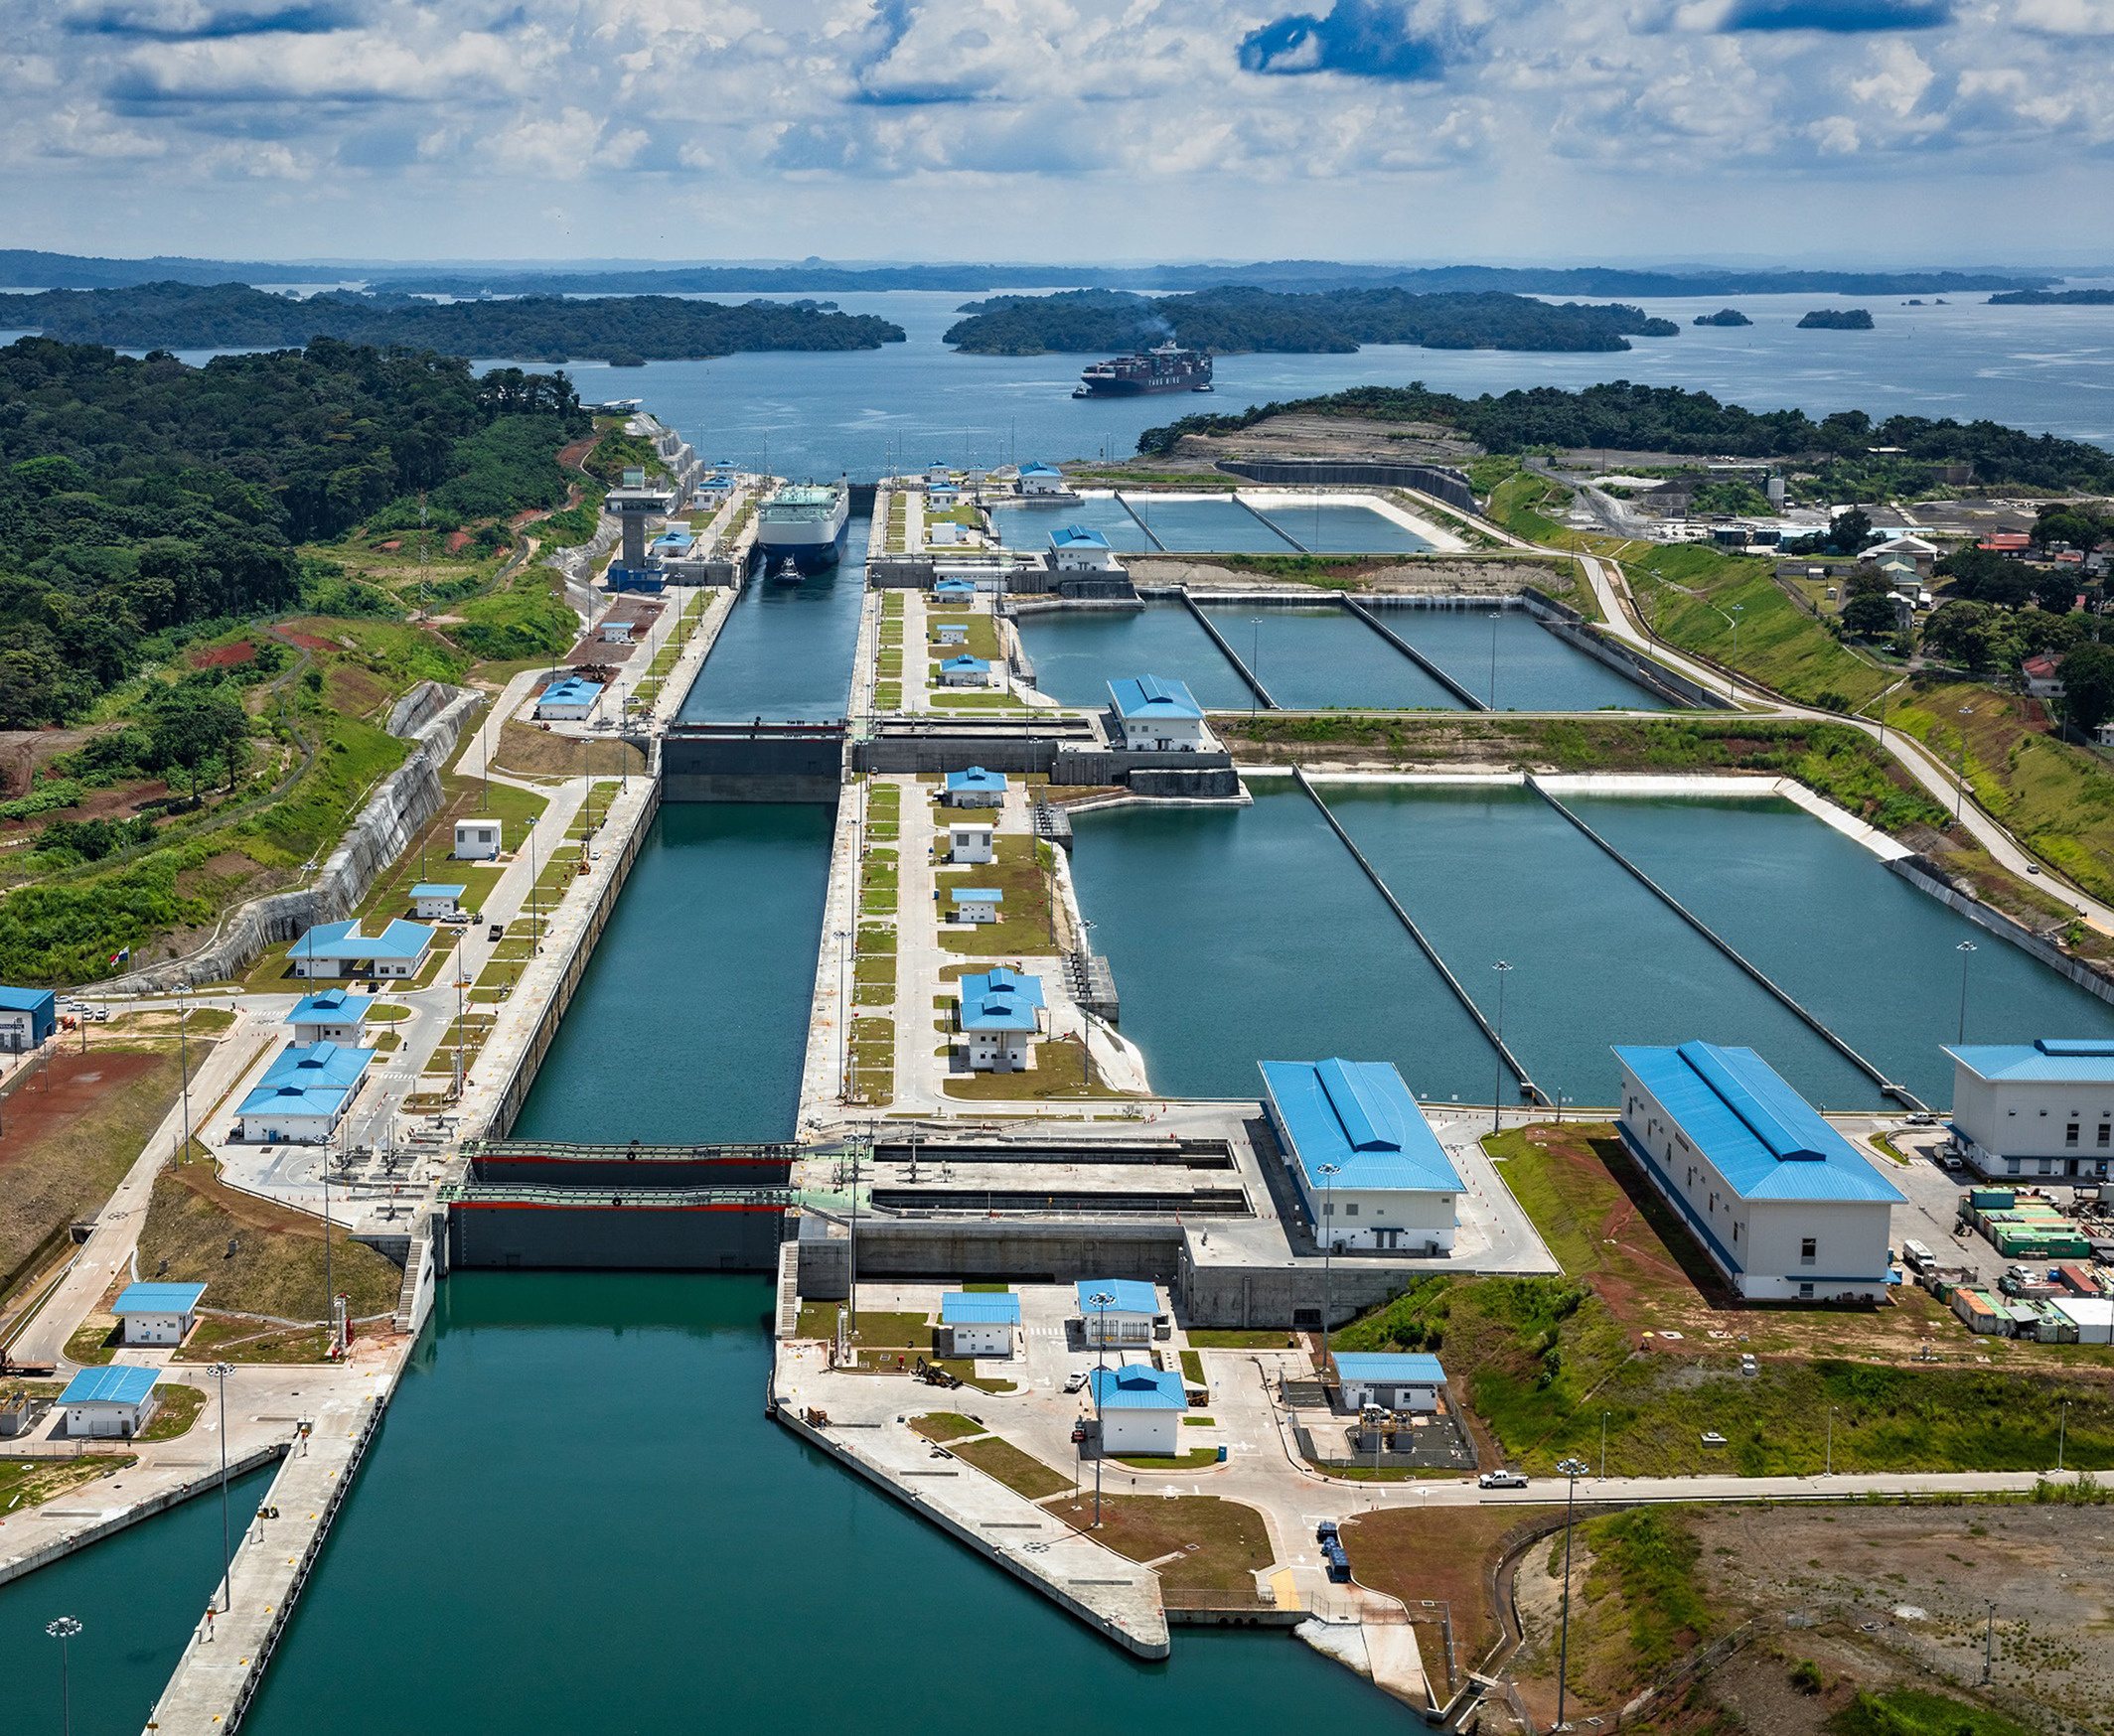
<point x="1240" y="321"/>
<point x="1837" y="319"/>
<point x="1723" y="317"/>
<point x="2053" y="298"/>
<point x="541" y="328"/>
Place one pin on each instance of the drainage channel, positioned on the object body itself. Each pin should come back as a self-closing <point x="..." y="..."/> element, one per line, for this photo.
<point x="1528" y="1088"/>
<point x="1232" y="657"/>
<point x="1412" y="653"/>
<point x="1898" y="1093"/>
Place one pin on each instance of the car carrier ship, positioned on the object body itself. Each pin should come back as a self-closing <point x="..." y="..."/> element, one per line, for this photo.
<point x="804" y="523"/>
<point x="1167" y="368"/>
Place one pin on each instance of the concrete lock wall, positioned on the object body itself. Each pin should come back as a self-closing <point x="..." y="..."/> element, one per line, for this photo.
<point x="974" y="1249"/>
<point x="402" y="806"/>
<point x="760" y="767"/>
<point x="1280" y="1297"/>
<point x="1440" y="482"/>
<point x="633" y="1236"/>
<point x="1573" y="630"/>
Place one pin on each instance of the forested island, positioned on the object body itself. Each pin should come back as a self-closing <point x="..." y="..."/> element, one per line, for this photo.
<point x="2053" y="298"/>
<point x="183" y="316"/>
<point x="1622" y="417"/>
<point x="1233" y="321"/>
<point x="1723" y="317"/>
<point x="1837" y="319"/>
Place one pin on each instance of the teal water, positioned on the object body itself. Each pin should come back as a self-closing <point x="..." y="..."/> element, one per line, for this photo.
<point x="1077" y="652"/>
<point x="1862" y="948"/>
<point x="784" y="653"/>
<point x="136" y="1596"/>
<point x="1535" y="670"/>
<point x="1322" y="528"/>
<point x="692" y="1020"/>
<point x="577" y="1519"/>
<point x="1222" y="526"/>
<point x="1322" y="656"/>
<point x="1498" y="874"/>
<point x="1249" y="935"/>
<point x="1030" y="528"/>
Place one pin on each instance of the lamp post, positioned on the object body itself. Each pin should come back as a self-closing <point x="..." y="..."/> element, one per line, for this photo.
<point x="851" y="1245"/>
<point x="1491" y="699"/>
<point x="1101" y="1300"/>
<point x="1828" y="1467"/>
<point x="63" y="1628"/>
<point x="2062" y="1429"/>
<point x="1988" y="1645"/>
<point x="1959" y="785"/>
<point x="220" y="1372"/>
<point x="1966" y="950"/>
<point x="1604" y="1446"/>
<point x="1255" y="659"/>
<point x="1497" y="1091"/>
<point x="844" y="1023"/>
<point x="535" y="917"/>
<point x="1732" y="615"/>
<point x="1327" y="1173"/>
<point x="1573" y="1469"/>
<point x="182" y="1049"/>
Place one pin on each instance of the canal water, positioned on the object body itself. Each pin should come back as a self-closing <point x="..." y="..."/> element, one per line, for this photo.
<point x="1534" y="670"/>
<point x="136" y="1597"/>
<point x="1077" y="652"/>
<point x="1313" y="657"/>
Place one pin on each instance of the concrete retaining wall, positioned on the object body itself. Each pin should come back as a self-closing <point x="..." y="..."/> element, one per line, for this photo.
<point x="969" y="1250"/>
<point x="1573" y="630"/>
<point x="595" y="1234"/>
<point x="1925" y="876"/>
<point x="402" y="806"/>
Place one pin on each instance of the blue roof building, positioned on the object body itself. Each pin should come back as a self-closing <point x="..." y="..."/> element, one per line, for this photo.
<point x="1140" y="1409"/>
<point x="978" y="1307"/>
<point x="1410" y="1381"/>
<point x="1154" y="712"/>
<point x="954" y="588"/>
<point x="112" y="1403"/>
<point x="334" y="1015"/>
<point x="573" y="698"/>
<point x="450" y="889"/>
<point x="27" y="1016"/>
<point x="965" y="671"/>
<point x="1126" y="1296"/>
<point x="341" y="948"/>
<point x="976" y="788"/>
<point x="303" y="1093"/>
<point x="1368" y="1168"/>
<point x="975" y="904"/>
<point x="147" y="1298"/>
<point x="2043" y="1110"/>
<point x="1785" y="1206"/>
<point x="1000" y="1011"/>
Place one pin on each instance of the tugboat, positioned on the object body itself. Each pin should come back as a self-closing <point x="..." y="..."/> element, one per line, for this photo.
<point x="787" y="572"/>
<point x="1167" y="368"/>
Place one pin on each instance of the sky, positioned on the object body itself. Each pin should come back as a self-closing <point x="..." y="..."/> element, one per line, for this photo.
<point x="1803" y="131"/>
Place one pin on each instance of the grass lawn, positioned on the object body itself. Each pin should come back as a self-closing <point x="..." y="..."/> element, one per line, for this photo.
<point x="31" y="1482"/>
<point x="175" y="1408"/>
<point x="1236" y="1338"/>
<point x="876" y="1331"/>
<point x="983" y="634"/>
<point x="1439" y="1552"/>
<point x="1193" y="1368"/>
<point x="1061" y="1069"/>
<point x="242" y="1341"/>
<point x="1187" y="1460"/>
<point x="1221" y="1544"/>
<point x="947" y="1425"/>
<point x="1020" y="871"/>
<point x="1018" y="1471"/>
<point x="93" y="1342"/>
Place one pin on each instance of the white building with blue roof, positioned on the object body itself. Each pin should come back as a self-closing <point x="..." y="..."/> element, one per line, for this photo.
<point x="1125" y="1317"/>
<point x="110" y="1403"/>
<point x="1141" y="1408"/>
<point x="27" y="1016"/>
<point x="1001" y="1011"/>
<point x="964" y="670"/>
<point x="1393" y="1379"/>
<point x="571" y="700"/>
<point x="1785" y="1206"/>
<point x="976" y="788"/>
<point x="434" y="899"/>
<point x="347" y="949"/>
<point x="1155" y="712"/>
<point x="974" y="904"/>
<point x="1042" y="479"/>
<point x="303" y="1094"/>
<point x="1077" y="548"/>
<point x="157" y="1313"/>
<point x="2043" y="1110"/>
<point x="330" y="1015"/>
<point x="1367" y="1166"/>
<point x="980" y="1323"/>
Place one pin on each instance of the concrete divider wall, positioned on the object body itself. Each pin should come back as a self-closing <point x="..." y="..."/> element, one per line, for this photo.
<point x="965" y="1247"/>
<point x="1925" y="876"/>
<point x="1575" y="629"/>
<point x="403" y="804"/>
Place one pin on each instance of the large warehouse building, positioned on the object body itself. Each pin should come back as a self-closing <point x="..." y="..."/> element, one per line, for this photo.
<point x="2043" y="1110"/>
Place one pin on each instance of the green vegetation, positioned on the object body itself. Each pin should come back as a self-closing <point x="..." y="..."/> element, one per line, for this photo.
<point x="1217" y="1545"/>
<point x="946" y="1425"/>
<point x="1236" y="1338"/>
<point x="32" y="1481"/>
<point x="1837" y="319"/>
<point x="551" y="327"/>
<point x="1907" y="1712"/>
<point x="1650" y="1556"/>
<point x="175" y="1408"/>
<point x="1647" y="418"/>
<point x="1020" y="869"/>
<point x="1019" y="1472"/>
<point x="1188" y="1460"/>
<point x="1237" y="320"/>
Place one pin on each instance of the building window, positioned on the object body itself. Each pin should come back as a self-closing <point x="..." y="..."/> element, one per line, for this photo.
<point x="1350" y="1210"/>
<point x="1736" y="1232"/>
<point x="2010" y="1166"/>
<point x="2070" y="1134"/>
<point x="2106" y="1133"/>
<point x="1805" y="1292"/>
<point x="1808" y="1250"/>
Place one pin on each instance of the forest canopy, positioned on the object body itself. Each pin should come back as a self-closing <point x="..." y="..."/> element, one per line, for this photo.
<point x="543" y="328"/>
<point x="1239" y="320"/>
<point x="139" y="498"/>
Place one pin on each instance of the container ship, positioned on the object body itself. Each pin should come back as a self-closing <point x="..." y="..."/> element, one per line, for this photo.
<point x="1169" y="369"/>
<point x="804" y="523"/>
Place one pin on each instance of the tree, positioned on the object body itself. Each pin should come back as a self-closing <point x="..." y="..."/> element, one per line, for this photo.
<point x="1851" y="531"/>
<point x="1966" y="634"/>
<point x="1982" y="575"/>
<point x="193" y="725"/>
<point x="1869" y="615"/>
<point x="2056" y="591"/>
<point x="2089" y="685"/>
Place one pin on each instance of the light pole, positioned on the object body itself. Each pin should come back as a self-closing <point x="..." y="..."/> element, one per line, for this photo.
<point x="1497" y="1092"/>
<point x="1491" y="700"/>
<point x="1732" y="615"/>
<point x="1573" y="1469"/>
<point x="220" y="1372"/>
<point x="2062" y="1429"/>
<point x="330" y="1292"/>
<point x="1827" y="1468"/>
<point x="851" y="1245"/>
<point x="844" y="1023"/>
<point x="1966" y="950"/>
<point x="1959" y="786"/>
<point x="535" y="918"/>
<point x="1604" y="1446"/>
<point x="182" y="1049"/>
<point x="1327" y="1173"/>
<point x="1988" y="1645"/>
<point x="1255" y="659"/>
<point x="63" y="1628"/>
<point x="1101" y="1300"/>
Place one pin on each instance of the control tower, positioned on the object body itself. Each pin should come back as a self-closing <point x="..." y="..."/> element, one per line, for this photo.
<point x="635" y="500"/>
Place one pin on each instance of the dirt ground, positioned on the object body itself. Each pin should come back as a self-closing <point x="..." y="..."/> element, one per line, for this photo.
<point x="1442" y="1554"/>
<point x="538" y="753"/>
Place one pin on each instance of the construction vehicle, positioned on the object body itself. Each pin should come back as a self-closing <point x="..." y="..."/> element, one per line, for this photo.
<point x="935" y="1376"/>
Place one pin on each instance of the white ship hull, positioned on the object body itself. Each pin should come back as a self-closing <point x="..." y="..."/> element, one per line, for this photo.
<point x="813" y="537"/>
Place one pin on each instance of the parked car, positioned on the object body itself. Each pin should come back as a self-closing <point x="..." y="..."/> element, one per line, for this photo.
<point x="1076" y="1380"/>
<point x="497" y="931"/>
<point x="1502" y="1480"/>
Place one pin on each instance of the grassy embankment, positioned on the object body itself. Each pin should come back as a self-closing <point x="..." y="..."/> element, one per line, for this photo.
<point x="1020" y="871"/>
<point x="1549" y="1357"/>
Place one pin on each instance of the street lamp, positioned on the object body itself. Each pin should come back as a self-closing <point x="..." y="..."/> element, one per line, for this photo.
<point x="1828" y="1467"/>
<point x="1492" y="699"/>
<point x="1102" y="1300"/>
<point x="1573" y="1469"/>
<point x="1497" y="1092"/>
<point x="1327" y="1171"/>
<point x="1604" y="1446"/>
<point x="1966" y="951"/>
<point x="2062" y="1429"/>
<point x="1255" y="659"/>
<point x="1732" y="615"/>
<point x="63" y="1628"/>
<point x="182" y="1049"/>
<point x="1959" y="789"/>
<point x="220" y="1372"/>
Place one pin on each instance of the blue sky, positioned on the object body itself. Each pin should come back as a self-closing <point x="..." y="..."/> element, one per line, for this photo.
<point x="1881" y="131"/>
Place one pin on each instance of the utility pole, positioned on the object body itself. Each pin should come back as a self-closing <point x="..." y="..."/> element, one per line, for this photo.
<point x="1966" y="950"/>
<point x="1327" y="1171"/>
<point x="1497" y="1092"/>
<point x="1988" y="1645"/>
<point x="1101" y="1299"/>
<point x="220" y="1372"/>
<point x="1491" y="700"/>
<point x="1604" y="1435"/>
<point x="1827" y="1468"/>
<point x="851" y="1248"/>
<point x="1573" y="1469"/>
<point x="182" y="1049"/>
<point x="63" y="1628"/>
<point x="330" y="1292"/>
